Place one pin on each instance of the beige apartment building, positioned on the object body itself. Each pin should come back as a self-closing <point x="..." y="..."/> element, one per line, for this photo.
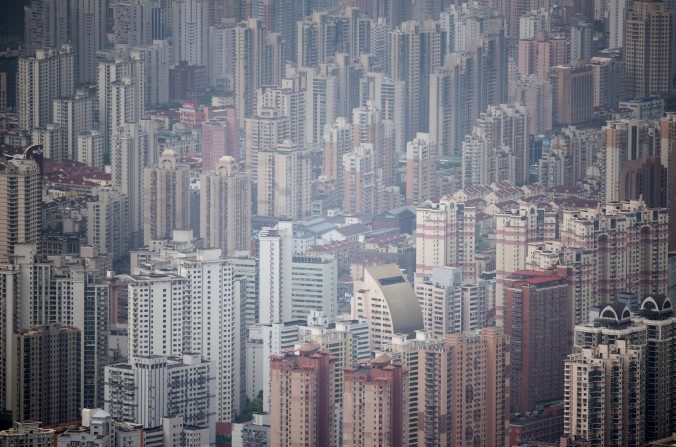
<point x="167" y="198"/>
<point x="463" y="390"/>
<point x="225" y="207"/>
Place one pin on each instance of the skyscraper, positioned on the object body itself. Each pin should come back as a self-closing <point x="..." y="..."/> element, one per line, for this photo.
<point x="301" y="409"/>
<point x="284" y="181"/>
<point x="189" y="31"/>
<point x="648" y="48"/>
<point x="464" y="390"/>
<point x="20" y="197"/>
<point x="167" y="204"/>
<point x="536" y="320"/>
<point x="46" y="75"/>
<point x="668" y="155"/>
<point x="416" y="51"/>
<point x="604" y="401"/>
<point x="360" y="182"/>
<point x="150" y="388"/>
<point x="48" y="377"/>
<point x="276" y="244"/>
<point x="421" y="158"/>
<point x="131" y="146"/>
<point x="375" y="404"/>
<point x="225" y="212"/>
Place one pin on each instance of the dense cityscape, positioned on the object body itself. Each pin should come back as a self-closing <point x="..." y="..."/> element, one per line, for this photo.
<point x="337" y="223"/>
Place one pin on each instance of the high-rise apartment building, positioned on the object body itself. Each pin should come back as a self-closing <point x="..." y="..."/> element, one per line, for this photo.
<point x="360" y="181"/>
<point x="132" y="22"/>
<point x="213" y="314"/>
<point x="150" y="388"/>
<point x="219" y="139"/>
<point x="668" y="156"/>
<point x="284" y="181"/>
<point x="257" y="63"/>
<point x="624" y="262"/>
<point x="155" y="314"/>
<point x="514" y="230"/>
<point x="111" y="68"/>
<point x="47" y="23"/>
<point x="388" y="95"/>
<point x="386" y="299"/>
<point x="20" y="198"/>
<point x="89" y="149"/>
<point x="322" y="100"/>
<point x="536" y="320"/>
<point x="464" y="390"/>
<point x="166" y="190"/>
<point x="41" y="78"/>
<point x="648" y="48"/>
<point x="657" y="314"/>
<point x="445" y="236"/>
<point x="76" y="116"/>
<point x="88" y="34"/>
<point x="150" y="67"/>
<point x="108" y="222"/>
<point x="540" y="53"/>
<point x="421" y="157"/>
<point x="347" y="341"/>
<point x="47" y="362"/>
<point x="338" y="141"/>
<point x="375" y="404"/>
<point x="275" y="245"/>
<point x="290" y="99"/>
<point x="131" y="146"/>
<point x="604" y="402"/>
<point x="440" y="297"/>
<point x="416" y="51"/>
<point x="189" y="31"/>
<point x="225" y="212"/>
<point x="267" y="129"/>
<point x="301" y="409"/>
<point x="627" y="142"/>
<point x="369" y="127"/>
<point x="607" y="73"/>
<point x="537" y="97"/>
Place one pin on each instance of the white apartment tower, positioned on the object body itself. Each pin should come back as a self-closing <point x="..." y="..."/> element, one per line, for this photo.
<point x="156" y="314"/>
<point x="440" y="297"/>
<point x="213" y="311"/>
<point x="275" y="272"/>
<point x="150" y="388"/>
